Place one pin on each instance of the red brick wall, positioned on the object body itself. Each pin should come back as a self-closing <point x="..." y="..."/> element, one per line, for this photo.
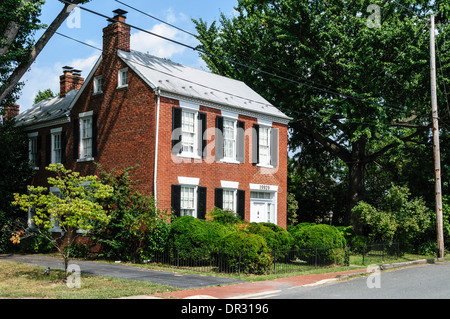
<point x="211" y="174"/>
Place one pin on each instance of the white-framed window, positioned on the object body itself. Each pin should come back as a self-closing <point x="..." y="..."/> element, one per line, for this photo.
<point x="229" y="139"/>
<point x="264" y="145"/>
<point x="123" y="78"/>
<point x="55" y="219"/>
<point x="33" y="150"/>
<point x="188" y="133"/>
<point x="56" y="148"/>
<point x="98" y="82"/>
<point x="188" y="201"/>
<point x="86" y="136"/>
<point x="229" y="200"/>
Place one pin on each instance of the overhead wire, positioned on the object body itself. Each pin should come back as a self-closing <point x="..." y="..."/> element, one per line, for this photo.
<point x="256" y="69"/>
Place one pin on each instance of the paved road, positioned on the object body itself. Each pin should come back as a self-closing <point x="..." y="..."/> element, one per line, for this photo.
<point x="431" y="281"/>
<point x="181" y="281"/>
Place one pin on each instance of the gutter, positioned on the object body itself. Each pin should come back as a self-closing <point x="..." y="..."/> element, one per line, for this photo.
<point x="155" y="173"/>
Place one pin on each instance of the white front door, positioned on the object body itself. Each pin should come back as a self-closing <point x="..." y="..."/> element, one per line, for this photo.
<point x="258" y="212"/>
<point x="262" y="207"/>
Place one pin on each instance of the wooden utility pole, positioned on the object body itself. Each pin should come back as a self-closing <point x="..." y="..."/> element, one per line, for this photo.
<point x="436" y="150"/>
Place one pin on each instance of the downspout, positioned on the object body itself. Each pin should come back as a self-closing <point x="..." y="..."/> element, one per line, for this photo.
<point x="155" y="174"/>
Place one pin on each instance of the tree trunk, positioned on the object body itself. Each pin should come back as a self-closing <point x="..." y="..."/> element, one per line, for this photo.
<point x="356" y="187"/>
<point x="17" y="74"/>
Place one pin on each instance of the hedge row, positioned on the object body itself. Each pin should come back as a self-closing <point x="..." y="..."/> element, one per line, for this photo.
<point x="225" y="236"/>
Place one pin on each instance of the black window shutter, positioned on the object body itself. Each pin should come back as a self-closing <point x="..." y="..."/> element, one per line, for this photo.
<point x="176" y="130"/>
<point x="76" y="138"/>
<point x="202" y="138"/>
<point x="176" y="199"/>
<point x="94" y="135"/>
<point x="240" y="149"/>
<point x="219" y="138"/>
<point x="48" y="149"/>
<point x="274" y="147"/>
<point x="255" y="144"/>
<point x="240" y="207"/>
<point x="201" y="202"/>
<point x="218" y="198"/>
<point x="38" y="151"/>
<point x="63" y="147"/>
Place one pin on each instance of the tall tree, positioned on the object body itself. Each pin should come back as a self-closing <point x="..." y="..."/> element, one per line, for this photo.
<point x="18" y="50"/>
<point x="354" y="75"/>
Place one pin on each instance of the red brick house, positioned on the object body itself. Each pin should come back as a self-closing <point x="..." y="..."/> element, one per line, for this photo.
<point x="200" y="140"/>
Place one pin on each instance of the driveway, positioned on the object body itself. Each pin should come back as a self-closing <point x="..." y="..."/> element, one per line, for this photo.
<point x="181" y="281"/>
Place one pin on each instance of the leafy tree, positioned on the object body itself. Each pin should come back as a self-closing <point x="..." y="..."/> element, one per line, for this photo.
<point x="355" y="89"/>
<point x="396" y="217"/>
<point x="42" y="95"/>
<point x="15" y="173"/>
<point x="74" y="207"/>
<point x="18" y="50"/>
<point x="133" y="215"/>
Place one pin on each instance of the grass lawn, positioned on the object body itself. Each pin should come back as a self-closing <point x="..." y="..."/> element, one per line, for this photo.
<point x="18" y="280"/>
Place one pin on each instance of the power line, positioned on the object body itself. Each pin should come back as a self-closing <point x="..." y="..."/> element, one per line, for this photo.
<point x="256" y="69"/>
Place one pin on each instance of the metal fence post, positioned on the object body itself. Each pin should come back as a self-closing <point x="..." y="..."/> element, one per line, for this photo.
<point x="239" y="269"/>
<point x="274" y="260"/>
<point x="315" y="259"/>
<point x="364" y="253"/>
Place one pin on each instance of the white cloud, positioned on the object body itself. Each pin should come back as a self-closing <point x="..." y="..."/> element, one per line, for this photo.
<point x="40" y="78"/>
<point x="144" y="42"/>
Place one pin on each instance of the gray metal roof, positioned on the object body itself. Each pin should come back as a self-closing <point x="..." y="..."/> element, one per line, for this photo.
<point x="198" y="84"/>
<point x="169" y="77"/>
<point x="47" y="110"/>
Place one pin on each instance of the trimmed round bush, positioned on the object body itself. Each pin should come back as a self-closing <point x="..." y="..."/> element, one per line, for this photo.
<point x="193" y="237"/>
<point x="277" y="237"/>
<point x="247" y="251"/>
<point x="329" y="242"/>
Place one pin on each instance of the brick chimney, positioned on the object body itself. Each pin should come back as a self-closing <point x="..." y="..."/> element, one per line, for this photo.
<point x="12" y="111"/>
<point x="116" y="36"/>
<point x="70" y="80"/>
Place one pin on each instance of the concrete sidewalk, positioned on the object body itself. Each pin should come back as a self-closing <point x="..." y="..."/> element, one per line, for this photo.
<point x="258" y="288"/>
<point x="177" y="280"/>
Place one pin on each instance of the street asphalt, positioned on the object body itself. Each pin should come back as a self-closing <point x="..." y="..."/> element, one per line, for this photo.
<point x="117" y="270"/>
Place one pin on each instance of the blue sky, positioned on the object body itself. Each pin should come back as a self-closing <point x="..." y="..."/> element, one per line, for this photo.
<point x="87" y="27"/>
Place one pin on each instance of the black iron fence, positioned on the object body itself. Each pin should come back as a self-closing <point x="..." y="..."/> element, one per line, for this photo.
<point x="206" y="259"/>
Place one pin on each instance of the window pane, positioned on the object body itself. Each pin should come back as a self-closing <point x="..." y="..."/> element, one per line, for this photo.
<point x="229" y="139"/>
<point x="228" y="200"/>
<point x="188" y="131"/>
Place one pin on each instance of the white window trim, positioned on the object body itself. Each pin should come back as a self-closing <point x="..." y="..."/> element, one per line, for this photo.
<point x="224" y="159"/>
<point x="195" y="187"/>
<point x="32" y="136"/>
<point x="120" y="76"/>
<point x="193" y="109"/>
<point x="55" y="228"/>
<point x="188" y="181"/>
<point x="83" y="116"/>
<point x="97" y="88"/>
<point x="269" y="134"/>
<point x="54" y="132"/>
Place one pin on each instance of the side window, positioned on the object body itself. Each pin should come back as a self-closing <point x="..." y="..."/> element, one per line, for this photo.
<point x="98" y="83"/>
<point x="189" y="200"/>
<point x="34" y="150"/>
<point x="85" y="137"/>
<point x="188" y="132"/>
<point x="123" y="78"/>
<point x="265" y="146"/>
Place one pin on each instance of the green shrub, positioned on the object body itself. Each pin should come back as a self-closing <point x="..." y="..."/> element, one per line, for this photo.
<point x="194" y="237"/>
<point x="223" y="216"/>
<point x="327" y="238"/>
<point x="155" y="240"/>
<point x="247" y="251"/>
<point x="277" y="237"/>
